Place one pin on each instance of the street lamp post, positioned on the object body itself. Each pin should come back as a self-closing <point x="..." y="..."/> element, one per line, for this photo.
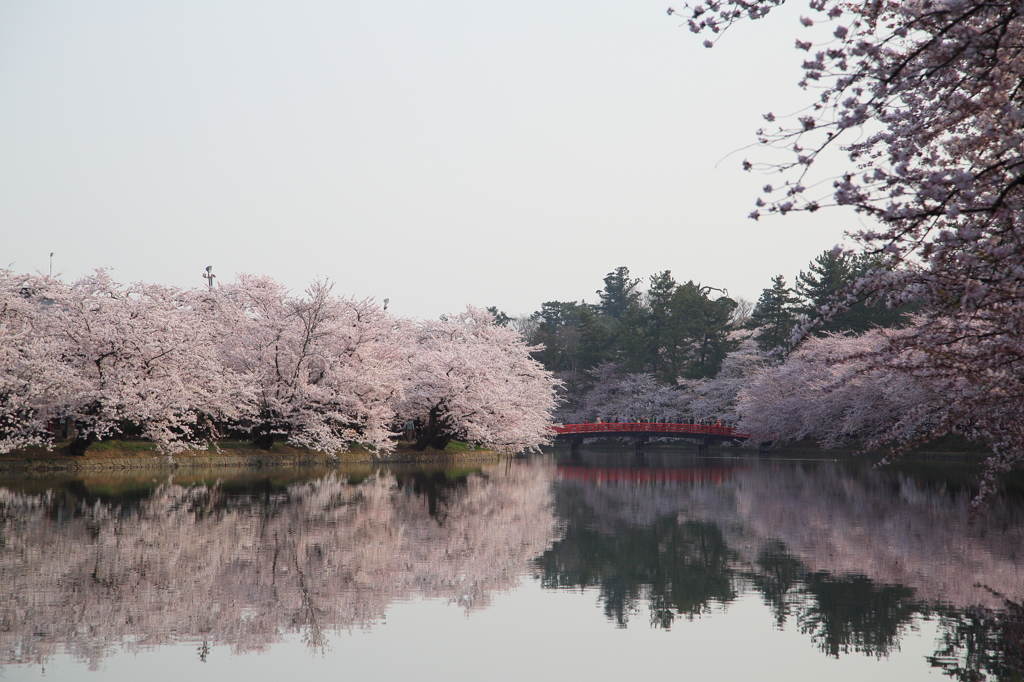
<point x="208" y="276"/>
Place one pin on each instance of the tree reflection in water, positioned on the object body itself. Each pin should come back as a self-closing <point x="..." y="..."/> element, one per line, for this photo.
<point x="677" y="569"/>
<point x="979" y="643"/>
<point x="195" y="564"/>
<point x="853" y="558"/>
<point x="853" y="613"/>
<point x="686" y="569"/>
<point x="842" y="614"/>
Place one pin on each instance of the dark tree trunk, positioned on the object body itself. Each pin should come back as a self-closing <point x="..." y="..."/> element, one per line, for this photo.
<point x="263" y="435"/>
<point x="435" y="434"/>
<point x="440" y="442"/>
<point x="79" y="445"/>
<point x="263" y="440"/>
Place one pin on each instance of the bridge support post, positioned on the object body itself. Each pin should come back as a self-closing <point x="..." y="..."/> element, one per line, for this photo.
<point x="574" y="444"/>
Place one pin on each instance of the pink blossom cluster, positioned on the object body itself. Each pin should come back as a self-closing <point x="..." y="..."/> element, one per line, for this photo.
<point x="829" y="389"/>
<point x="633" y="396"/>
<point x="185" y="367"/>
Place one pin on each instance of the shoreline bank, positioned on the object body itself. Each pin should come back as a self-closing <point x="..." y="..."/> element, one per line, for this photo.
<point x="122" y="456"/>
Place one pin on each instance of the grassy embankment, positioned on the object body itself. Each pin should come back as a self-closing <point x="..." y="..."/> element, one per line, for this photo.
<point x="116" y="454"/>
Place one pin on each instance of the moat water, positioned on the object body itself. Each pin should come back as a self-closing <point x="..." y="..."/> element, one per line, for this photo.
<point x="597" y="565"/>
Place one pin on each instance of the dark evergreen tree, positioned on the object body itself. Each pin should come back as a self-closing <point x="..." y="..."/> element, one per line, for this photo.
<point x="824" y="282"/>
<point x="695" y="339"/>
<point x="500" y="317"/>
<point x="711" y="327"/>
<point x="619" y="293"/>
<point x="659" y="309"/>
<point x="645" y="328"/>
<point x="673" y="331"/>
<point x="575" y="337"/>
<point x="775" y="315"/>
<point x="825" y="277"/>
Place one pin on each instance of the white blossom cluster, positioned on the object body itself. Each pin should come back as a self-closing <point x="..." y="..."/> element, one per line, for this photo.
<point x="828" y="389"/>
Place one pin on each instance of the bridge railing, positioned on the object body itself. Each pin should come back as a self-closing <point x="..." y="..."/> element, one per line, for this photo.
<point x="649" y="427"/>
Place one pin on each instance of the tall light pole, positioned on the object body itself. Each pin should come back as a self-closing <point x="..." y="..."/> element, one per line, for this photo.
<point x="208" y="276"/>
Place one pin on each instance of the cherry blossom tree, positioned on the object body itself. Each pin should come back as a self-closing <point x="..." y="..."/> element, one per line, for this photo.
<point x="144" y="354"/>
<point x="324" y="371"/>
<point x="31" y="377"/>
<point x="177" y="366"/>
<point x="631" y="396"/>
<point x="924" y="98"/>
<point x="471" y="379"/>
<point x="718" y="397"/>
<point x="830" y="389"/>
<point x="628" y="396"/>
<point x="105" y="356"/>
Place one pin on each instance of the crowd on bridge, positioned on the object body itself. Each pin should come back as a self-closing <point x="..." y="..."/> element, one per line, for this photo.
<point x="661" y="420"/>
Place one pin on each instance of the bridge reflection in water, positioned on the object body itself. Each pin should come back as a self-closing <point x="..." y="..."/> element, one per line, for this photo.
<point x="614" y="475"/>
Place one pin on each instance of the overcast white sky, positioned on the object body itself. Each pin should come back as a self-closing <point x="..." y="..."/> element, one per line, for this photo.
<point x="438" y="153"/>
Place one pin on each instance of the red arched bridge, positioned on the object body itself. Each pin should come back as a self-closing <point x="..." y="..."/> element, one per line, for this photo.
<point x="705" y="434"/>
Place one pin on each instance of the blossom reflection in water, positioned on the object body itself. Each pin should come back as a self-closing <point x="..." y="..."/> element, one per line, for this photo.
<point x="850" y="560"/>
<point x="193" y="564"/>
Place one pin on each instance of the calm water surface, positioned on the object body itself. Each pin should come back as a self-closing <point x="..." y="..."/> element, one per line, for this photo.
<point x="600" y="566"/>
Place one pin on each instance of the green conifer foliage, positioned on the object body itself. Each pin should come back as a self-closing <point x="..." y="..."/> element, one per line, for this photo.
<point x="619" y="293"/>
<point x="775" y="314"/>
<point x="824" y="282"/>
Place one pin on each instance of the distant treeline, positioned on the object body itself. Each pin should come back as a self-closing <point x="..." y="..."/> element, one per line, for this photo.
<point x="672" y="330"/>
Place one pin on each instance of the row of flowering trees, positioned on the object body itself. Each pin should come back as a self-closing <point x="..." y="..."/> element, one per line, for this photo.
<point x="829" y="389"/>
<point x="184" y="367"/>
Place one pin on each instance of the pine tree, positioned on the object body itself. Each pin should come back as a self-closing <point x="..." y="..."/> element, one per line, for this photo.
<point x="619" y="293"/>
<point x="696" y="338"/>
<point x="644" y="328"/>
<point x="824" y="278"/>
<point x="775" y="314"/>
<point x="823" y="282"/>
